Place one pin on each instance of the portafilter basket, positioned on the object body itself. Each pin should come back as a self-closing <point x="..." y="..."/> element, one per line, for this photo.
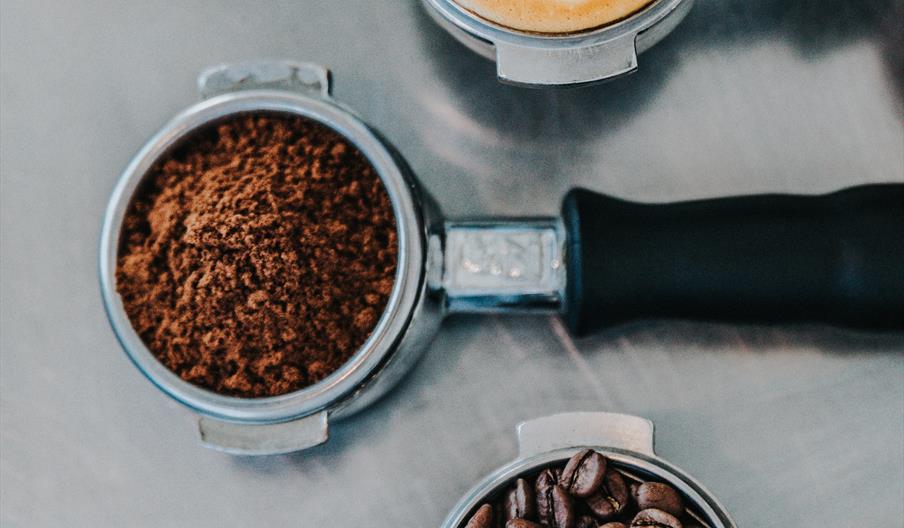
<point x="627" y="441"/>
<point x="543" y="60"/>
<point x="834" y="258"/>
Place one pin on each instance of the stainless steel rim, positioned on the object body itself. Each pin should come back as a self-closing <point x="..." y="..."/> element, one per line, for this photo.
<point x="702" y="499"/>
<point x="395" y="319"/>
<point x="492" y="32"/>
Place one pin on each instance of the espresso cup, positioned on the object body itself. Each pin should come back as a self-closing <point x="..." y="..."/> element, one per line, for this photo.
<point x="528" y="57"/>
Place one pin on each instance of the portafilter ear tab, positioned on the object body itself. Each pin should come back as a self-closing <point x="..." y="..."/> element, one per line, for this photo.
<point x="302" y="77"/>
<point x="604" y="60"/>
<point x="561" y="431"/>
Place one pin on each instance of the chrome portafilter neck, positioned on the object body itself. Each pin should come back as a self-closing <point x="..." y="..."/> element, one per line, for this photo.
<point x="511" y="265"/>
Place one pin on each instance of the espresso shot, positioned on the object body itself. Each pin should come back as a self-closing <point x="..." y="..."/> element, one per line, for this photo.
<point x="258" y="255"/>
<point x="553" y="16"/>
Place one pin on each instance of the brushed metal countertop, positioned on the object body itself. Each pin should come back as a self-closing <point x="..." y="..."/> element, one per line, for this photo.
<point x="788" y="426"/>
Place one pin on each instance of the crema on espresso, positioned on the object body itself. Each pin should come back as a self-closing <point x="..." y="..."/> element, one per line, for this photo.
<point x="553" y="16"/>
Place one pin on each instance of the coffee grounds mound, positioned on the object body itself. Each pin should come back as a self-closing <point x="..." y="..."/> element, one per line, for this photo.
<point x="258" y="256"/>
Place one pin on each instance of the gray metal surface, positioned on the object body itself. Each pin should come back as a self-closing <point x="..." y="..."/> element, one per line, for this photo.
<point x="787" y="426"/>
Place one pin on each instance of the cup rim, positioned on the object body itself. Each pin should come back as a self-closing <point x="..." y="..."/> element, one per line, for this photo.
<point x="493" y="32"/>
<point x="340" y="385"/>
<point x="702" y="499"/>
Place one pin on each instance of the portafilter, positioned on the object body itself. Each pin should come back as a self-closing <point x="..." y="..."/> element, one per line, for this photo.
<point x="836" y="258"/>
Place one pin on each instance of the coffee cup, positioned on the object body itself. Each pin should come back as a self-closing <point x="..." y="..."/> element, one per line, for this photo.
<point x="542" y="43"/>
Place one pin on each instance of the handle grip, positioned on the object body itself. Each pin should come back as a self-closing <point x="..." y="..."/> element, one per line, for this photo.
<point x="836" y="258"/>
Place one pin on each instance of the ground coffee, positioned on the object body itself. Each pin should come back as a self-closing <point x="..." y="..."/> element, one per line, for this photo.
<point x="258" y="255"/>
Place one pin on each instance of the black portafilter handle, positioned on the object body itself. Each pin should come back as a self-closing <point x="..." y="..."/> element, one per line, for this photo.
<point x="836" y="258"/>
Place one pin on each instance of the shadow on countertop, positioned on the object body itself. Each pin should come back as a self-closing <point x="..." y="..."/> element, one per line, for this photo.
<point x="812" y="27"/>
<point x="755" y="338"/>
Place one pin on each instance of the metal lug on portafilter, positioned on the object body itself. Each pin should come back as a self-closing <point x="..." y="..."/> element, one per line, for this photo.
<point x="499" y="266"/>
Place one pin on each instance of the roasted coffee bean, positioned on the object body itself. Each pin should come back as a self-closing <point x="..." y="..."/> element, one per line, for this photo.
<point x="563" y="509"/>
<point x="557" y="510"/>
<point x="522" y="523"/>
<point x="613" y="525"/>
<point x="482" y="518"/>
<point x="586" y="521"/>
<point x="656" y="519"/>
<point x="661" y="497"/>
<point x="547" y="477"/>
<point x="612" y="497"/>
<point x="521" y="502"/>
<point x="633" y="487"/>
<point x="543" y="486"/>
<point x="584" y="473"/>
